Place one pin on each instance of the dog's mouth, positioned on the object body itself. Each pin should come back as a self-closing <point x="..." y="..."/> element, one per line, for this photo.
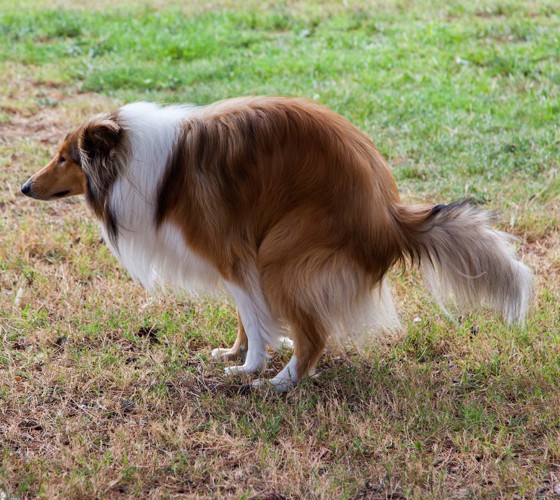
<point x="61" y="194"/>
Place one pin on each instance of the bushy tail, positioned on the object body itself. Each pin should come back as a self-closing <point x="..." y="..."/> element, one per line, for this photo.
<point x="464" y="259"/>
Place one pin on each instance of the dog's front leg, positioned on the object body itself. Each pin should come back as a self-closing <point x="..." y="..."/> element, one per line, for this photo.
<point x="256" y="321"/>
<point x="239" y="348"/>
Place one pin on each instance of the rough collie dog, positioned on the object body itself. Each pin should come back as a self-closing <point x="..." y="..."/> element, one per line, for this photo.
<point x="286" y="205"/>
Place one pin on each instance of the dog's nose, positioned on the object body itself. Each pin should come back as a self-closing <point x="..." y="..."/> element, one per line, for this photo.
<point x="26" y="188"/>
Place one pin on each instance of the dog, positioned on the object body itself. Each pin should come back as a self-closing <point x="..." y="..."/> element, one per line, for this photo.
<point x="287" y="206"/>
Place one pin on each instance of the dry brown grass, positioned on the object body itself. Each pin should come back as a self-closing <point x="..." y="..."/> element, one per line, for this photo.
<point x="94" y="404"/>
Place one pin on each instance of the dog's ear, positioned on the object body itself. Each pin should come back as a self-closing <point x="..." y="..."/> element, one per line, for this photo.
<point x="98" y="144"/>
<point x="100" y="136"/>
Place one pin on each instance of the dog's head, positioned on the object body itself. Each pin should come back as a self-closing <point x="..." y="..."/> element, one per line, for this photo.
<point x="82" y="164"/>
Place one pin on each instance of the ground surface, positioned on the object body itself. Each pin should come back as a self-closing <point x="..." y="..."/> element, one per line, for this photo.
<point x="106" y="392"/>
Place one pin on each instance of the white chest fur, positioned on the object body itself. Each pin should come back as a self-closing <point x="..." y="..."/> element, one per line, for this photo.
<point x="155" y="257"/>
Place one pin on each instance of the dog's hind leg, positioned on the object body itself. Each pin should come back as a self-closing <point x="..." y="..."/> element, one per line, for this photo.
<point x="309" y="339"/>
<point x="239" y="348"/>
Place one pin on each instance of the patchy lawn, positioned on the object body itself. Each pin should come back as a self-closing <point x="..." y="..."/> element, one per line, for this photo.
<point x="106" y="392"/>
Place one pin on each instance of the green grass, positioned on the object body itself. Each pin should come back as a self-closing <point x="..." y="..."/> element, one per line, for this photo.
<point x="408" y="76"/>
<point x="462" y="98"/>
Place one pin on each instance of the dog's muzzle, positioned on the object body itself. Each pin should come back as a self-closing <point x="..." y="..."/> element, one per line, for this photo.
<point x="26" y="188"/>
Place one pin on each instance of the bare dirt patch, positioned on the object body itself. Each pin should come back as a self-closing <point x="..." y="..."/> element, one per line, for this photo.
<point x="42" y="112"/>
<point x="542" y="255"/>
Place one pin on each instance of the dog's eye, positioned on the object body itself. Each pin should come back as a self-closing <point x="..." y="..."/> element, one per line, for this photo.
<point x="61" y="159"/>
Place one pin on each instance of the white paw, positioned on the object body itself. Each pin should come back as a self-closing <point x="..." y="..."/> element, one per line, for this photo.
<point x="223" y="354"/>
<point x="230" y="371"/>
<point x="243" y="369"/>
<point x="219" y="353"/>
<point x="229" y="354"/>
<point x="278" y="385"/>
